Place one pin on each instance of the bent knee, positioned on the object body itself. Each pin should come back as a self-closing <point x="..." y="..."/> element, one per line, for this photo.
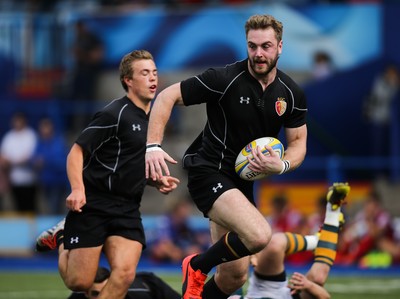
<point x="259" y="239"/>
<point x="230" y="282"/>
<point x="124" y="277"/>
<point x="78" y="284"/>
<point x="278" y="244"/>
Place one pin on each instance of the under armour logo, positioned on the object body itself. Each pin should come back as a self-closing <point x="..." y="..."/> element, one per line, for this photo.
<point x="219" y="186"/>
<point x="136" y="127"/>
<point x="244" y="100"/>
<point x="74" y="240"/>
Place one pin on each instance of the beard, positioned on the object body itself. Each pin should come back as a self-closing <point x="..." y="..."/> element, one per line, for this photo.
<point x="270" y="63"/>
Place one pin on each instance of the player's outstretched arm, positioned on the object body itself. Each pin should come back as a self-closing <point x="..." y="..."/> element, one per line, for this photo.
<point x="159" y="116"/>
<point x="77" y="199"/>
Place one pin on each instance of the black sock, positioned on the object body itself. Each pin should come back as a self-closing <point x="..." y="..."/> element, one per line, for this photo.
<point x="212" y="291"/>
<point x="228" y="248"/>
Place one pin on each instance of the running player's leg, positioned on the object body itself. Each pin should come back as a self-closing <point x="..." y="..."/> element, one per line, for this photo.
<point x="77" y="267"/>
<point x="269" y="264"/>
<point x="123" y="256"/>
<point x="70" y="262"/>
<point x="249" y="233"/>
<point x="229" y="276"/>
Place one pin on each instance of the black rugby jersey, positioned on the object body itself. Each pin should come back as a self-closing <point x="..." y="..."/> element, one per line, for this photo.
<point x="115" y="143"/>
<point x="239" y="111"/>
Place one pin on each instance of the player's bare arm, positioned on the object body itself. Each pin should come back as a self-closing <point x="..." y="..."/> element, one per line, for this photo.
<point x="77" y="199"/>
<point x="159" y="116"/>
<point x="296" y="149"/>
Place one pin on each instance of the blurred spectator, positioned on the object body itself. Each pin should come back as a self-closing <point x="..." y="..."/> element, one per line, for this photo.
<point x="4" y="184"/>
<point x="315" y="220"/>
<point x="176" y="238"/>
<point x="88" y="51"/>
<point x="16" y="152"/>
<point x="322" y="65"/>
<point x="88" y="56"/>
<point x="283" y="218"/>
<point x="371" y="227"/>
<point x="50" y="160"/>
<point x="377" y="108"/>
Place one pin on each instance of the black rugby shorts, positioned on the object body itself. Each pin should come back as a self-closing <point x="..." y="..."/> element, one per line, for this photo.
<point x="206" y="185"/>
<point x="93" y="225"/>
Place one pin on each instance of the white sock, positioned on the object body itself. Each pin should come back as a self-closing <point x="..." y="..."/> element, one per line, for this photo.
<point x="331" y="217"/>
<point x="312" y="241"/>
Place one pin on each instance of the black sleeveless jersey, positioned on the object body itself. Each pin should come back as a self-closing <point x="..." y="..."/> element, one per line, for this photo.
<point x="239" y="111"/>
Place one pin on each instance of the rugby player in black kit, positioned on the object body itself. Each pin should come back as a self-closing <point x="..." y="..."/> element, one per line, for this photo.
<point x="245" y="100"/>
<point x="106" y="171"/>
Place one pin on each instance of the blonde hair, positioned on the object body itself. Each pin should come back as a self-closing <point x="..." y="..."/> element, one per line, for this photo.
<point x="125" y="67"/>
<point x="263" y="22"/>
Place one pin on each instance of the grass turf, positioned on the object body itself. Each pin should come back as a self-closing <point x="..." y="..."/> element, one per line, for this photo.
<point x="31" y="285"/>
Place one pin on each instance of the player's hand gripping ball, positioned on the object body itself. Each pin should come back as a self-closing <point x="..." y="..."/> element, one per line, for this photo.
<point x="242" y="164"/>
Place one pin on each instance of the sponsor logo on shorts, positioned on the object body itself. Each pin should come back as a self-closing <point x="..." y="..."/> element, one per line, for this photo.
<point x="74" y="240"/>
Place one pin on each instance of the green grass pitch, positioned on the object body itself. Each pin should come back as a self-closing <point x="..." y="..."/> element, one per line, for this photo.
<point x="31" y="285"/>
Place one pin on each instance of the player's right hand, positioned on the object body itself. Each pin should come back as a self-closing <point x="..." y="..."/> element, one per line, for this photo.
<point x="155" y="164"/>
<point x="76" y="200"/>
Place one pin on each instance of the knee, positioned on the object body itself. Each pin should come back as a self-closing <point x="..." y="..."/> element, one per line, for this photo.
<point x="259" y="238"/>
<point x="124" y="276"/>
<point x="277" y="245"/>
<point x="231" y="282"/>
<point x="78" y="284"/>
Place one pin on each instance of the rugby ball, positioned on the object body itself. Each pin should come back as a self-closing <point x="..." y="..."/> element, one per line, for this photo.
<point x="242" y="164"/>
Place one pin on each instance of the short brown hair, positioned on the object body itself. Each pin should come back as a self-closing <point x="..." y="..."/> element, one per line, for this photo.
<point x="263" y="22"/>
<point x="125" y="67"/>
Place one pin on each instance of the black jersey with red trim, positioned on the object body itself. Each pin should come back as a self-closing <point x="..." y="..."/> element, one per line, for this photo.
<point x="115" y="143"/>
<point x="239" y="111"/>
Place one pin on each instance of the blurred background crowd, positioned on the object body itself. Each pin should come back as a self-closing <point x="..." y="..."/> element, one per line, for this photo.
<point x="59" y="61"/>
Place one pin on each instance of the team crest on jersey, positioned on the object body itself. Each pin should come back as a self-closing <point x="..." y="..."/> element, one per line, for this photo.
<point x="280" y="106"/>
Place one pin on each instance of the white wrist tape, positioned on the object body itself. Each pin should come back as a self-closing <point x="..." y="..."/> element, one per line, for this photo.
<point x="153" y="147"/>
<point x="285" y="166"/>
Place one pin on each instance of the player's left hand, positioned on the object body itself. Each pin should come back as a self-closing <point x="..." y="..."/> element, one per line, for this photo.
<point x="269" y="164"/>
<point x="166" y="184"/>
